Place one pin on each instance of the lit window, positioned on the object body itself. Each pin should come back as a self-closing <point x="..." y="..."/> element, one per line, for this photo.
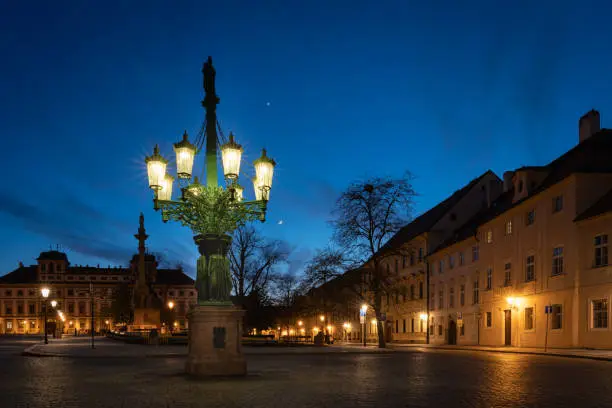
<point x="530" y="268"/>
<point x="508" y="274"/>
<point x="475" y="293"/>
<point x="508" y="227"/>
<point x="557" y="267"/>
<point x="600" y="313"/>
<point x="489" y="321"/>
<point x="529" y="318"/>
<point x="489" y="236"/>
<point x="601" y="250"/>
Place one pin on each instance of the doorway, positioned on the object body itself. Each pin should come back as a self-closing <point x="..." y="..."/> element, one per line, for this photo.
<point x="452" y="332"/>
<point x="508" y="327"/>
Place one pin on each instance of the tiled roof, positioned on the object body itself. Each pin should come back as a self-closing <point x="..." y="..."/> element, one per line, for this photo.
<point x="602" y="206"/>
<point x="426" y="221"/>
<point x="23" y="274"/>
<point x="592" y="155"/>
<point x="172" y="277"/>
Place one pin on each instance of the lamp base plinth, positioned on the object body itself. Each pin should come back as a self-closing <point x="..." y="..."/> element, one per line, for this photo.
<point x="214" y="342"/>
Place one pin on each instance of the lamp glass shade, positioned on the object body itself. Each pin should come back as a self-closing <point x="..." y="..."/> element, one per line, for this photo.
<point x="45" y="292"/>
<point x="156" y="169"/>
<point x="195" y="188"/>
<point x="261" y="193"/>
<point x="264" y="170"/>
<point x="238" y="191"/>
<point x="165" y="192"/>
<point x="231" y="153"/>
<point x="185" y="154"/>
<point x="53" y="303"/>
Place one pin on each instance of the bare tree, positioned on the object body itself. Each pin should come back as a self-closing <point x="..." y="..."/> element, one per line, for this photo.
<point x="365" y="217"/>
<point x="252" y="260"/>
<point x="325" y="265"/>
<point x="286" y="289"/>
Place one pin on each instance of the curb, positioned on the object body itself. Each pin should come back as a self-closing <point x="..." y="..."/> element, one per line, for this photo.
<point x="534" y="353"/>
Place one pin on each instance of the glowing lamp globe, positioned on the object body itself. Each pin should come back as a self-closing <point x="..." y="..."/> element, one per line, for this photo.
<point x="194" y="188"/>
<point x="53" y="303"/>
<point x="165" y="192"/>
<point x="264" y="170"/>
<point x="45" y="292"/>
<point x="238" y="192"/>
<point x="185" y="154"/>
<point x="231" y="152"/>
<point x="156" y="169"/>
<point x="261" y="193"/>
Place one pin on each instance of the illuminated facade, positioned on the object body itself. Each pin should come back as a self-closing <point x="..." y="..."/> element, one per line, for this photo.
<point x="535" y="267"/>
<point x="21" y="302"/>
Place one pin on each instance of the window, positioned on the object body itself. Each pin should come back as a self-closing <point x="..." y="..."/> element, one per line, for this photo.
<point x="462" y="330"/>
<point x="404" y="326"/>
<point x="440" y="330"/>
<point x="489" y="318"/>
<point x="508" y="227"/>
<point x="557" y="204"/>
<point x="32" y="309"/>
<point x="20" y="309"/>
<point x="530" y="268"/>
<point x="43" y="268"/>
<point x="489" y="279"/>
<point x="601" y="250"/>
<point x="411" y="258"/>
<point x="508" y="274"/>
<point x="397" y="326"/>
<point x="70" y="307"/>
<point x="432" y="300"/>
<point x="451" y="297"/>
<point x="475" y="253"/>
<point x="9" y="325"/>
<point x="31" y="292"/>
<point x="420" y="290"/>
<point x="412" y="325"/>
<point x="489" y="237"/>
<point x="70" y="292"/>
<point x="441" y="266"/>
<point x="171" y="293"/>
<point x="530" y="217"/>
<point x="32" y="324"/>
<point x="115" y="278"/>
<point x="600" y="313"/>
<point x="422" y="325"/>
<point x="475" y="293"/>
<point x="387" y="299"/>
<point x="451" y="262"/>
<point x="529" y="318"/>
<point x="182" y="293"/>
<point x="461" y="259"/>
<point x="411" y="292"/>
<point x="8" y="309"/>
<point x="557" y="317"/>
<point x="81" y="308"/>
<point x="462" y="295"/>
<point x="104" y="278"/>
<point x="441" y="299"/>
<point x="431" y="328"/>
<point x="20" y="293"/>
<point x="557" y="266"/>
<point x="8" y="293"/>
<point x="420" y="254"/>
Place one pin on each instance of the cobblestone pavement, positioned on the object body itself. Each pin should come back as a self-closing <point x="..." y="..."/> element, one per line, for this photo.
<point x="413" y="378"/>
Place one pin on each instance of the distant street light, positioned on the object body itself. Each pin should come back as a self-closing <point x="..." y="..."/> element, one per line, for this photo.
<point x="170" y="305"/>
<point x="45" y="294"/>
<point x="53" y="303"/>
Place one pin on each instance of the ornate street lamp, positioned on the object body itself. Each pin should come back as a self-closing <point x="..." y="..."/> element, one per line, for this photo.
<point x="211" y="211"/>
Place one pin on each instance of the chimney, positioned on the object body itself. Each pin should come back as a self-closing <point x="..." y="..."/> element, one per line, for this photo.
<point x="20" y="264"/>
<point x="508" y="180"/>
<point x="588" y="125"/>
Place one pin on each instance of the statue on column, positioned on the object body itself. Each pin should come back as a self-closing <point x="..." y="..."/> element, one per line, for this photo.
<point x="209" y="77"/>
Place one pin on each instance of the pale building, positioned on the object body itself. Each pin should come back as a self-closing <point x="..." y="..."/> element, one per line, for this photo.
<point x="535" y="266"/>
<point x="70" y="286"/>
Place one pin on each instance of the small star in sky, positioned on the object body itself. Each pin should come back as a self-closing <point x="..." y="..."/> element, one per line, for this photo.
<point x="267" y="103"/>
<point x="280" y="222"/>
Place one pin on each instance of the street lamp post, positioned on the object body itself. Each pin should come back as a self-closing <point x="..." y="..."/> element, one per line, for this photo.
<point x="45" y="294"/>
<point x="213" y="213"/>
<point x="364" y="310"/>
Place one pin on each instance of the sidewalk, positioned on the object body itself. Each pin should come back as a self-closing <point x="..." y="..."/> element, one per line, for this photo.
<point x="80" y="347"/>
<point x="604" y="355"/>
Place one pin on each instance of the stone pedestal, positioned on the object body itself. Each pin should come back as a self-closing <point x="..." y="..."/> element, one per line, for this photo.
<point x="146" y="318"/>
<point x="214" y="341"/>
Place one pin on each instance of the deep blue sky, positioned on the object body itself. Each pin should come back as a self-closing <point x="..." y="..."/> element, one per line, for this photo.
<point x="444" y="89"/>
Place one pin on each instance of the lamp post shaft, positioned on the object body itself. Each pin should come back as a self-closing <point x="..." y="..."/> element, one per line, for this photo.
<point x="45" y="306"/>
